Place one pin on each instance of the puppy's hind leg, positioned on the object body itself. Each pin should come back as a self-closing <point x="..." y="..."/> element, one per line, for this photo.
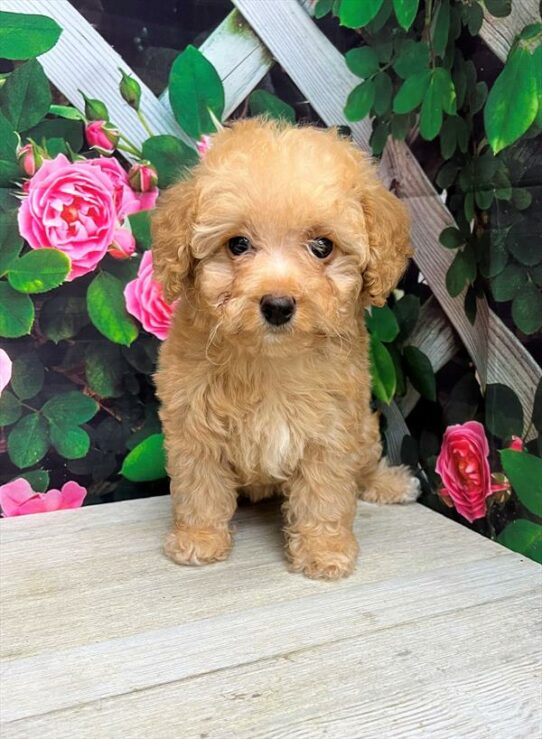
<point x="386" y="484"/>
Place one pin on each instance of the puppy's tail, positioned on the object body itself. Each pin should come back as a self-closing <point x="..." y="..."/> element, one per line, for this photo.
<point x="387" y="484"/>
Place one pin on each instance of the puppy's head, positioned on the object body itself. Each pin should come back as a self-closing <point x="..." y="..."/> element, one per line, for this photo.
<point x="280" y="235"/>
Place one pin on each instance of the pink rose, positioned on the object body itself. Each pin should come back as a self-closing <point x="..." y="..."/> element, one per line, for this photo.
<point x="464" y="468"/>
<point x="143" y="177"/>
<point x="123" y="245"/>
<point x="203" y="145"/>
<point x="5" y="370"/>
<point x="70" y="206"/>
<point x="102" y="136"/>
<point x="126" y="200"/>
<point x="17" y="498"/>
<point x="145" y="301"/>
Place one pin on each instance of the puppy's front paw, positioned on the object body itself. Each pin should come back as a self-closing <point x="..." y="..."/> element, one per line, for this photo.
<point x="191" y="546"/>
<point x="391" y="485"/>
<point x="323" y="557"/>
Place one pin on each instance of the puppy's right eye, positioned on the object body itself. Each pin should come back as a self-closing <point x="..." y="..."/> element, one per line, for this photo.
<point x="238" y="245"/>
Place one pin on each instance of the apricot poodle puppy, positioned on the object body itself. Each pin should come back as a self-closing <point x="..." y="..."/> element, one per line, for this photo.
<point x="276" y="243"/>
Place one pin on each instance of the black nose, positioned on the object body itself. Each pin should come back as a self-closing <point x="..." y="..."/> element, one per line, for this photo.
<point x="277" y="309"/>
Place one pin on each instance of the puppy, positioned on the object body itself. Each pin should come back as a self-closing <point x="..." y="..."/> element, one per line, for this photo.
<point x="276" y="243"/>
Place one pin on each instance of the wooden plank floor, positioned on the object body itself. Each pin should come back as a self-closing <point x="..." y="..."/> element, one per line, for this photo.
<point x="436" y="635"/>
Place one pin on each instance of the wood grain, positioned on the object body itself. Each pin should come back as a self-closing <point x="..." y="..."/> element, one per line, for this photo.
<point x="102" y="636"/>
<point x="499" y="33"/>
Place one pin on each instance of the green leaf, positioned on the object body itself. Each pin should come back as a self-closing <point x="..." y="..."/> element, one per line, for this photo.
<point x="405" y="12"/>
<point x="411" y="93"/>
<point x="499" y="8"/>
<point x="451" y="238"/>
<point x="383" y="93"/>
<point x="525" y="474"/>
<point x="470" y="304"/>
<point x="527" y="309"/>
<point x="473" y="16"/>
<point x="25" y="96"/>
<point x="360" y="101"/>
<point x="504" y="414"/>
<point x="440" y="27"/>
<point x="27" y="376"/>
<point x="461" y="272"/>
<point x="407" y="311"/>
<point x="170" y="156"/>
<point x="524" y="242"/>
<point x="10" y="240"/>
<point x="362" y="61"/>
<point x="382" y="371"/>
<point x="62" y="317"/>
<point x="495" y="256"/>
<point x="463" y="401"/>
<point x="524" y="537"/>
<point x="103" y="369"/>
<point x="508" y="283"/>
<point x="49" y="131"/>
<point x="521" y="198"/>
<point x="477" y="97"/>
<point x="16" y="312"/>
<point x="39" y="270"/>
<point x="355" y="14"/>
<point x="70" y="442"/>
<point x="195" y="89"/>
<point x="9" y="169"/>
<point x="322" y="8"/>
<point x="140" y="224"/>
<point x="28" y="441"/>
<point x="382" y="323"/>
<point x="38" y="479"/>
<point x="23" y="35"/>
<point x="147" y="461"/>
<point x="412" y="59"/>
<point x="261" y="102"/>
<point x="420" y="372"/>
<point x="107" y="309"/>
<point x="513" y="100"/>
<point x="537" y="408"/>
<point x="379" y="137"/>
<point x="66" y="111"/>
<point x="70" y="409"/>
<point x="10" y="408"/>
<point x="439" y="96"/>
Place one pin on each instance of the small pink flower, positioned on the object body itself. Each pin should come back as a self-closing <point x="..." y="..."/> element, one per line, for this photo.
<point x="145" y="300"/>
<point x="516" y="443"/>
<point x="70" y="206"/>
<point x="5" y="370"/>
<point x="27" y="159"/>
<point x="17" y="498"/>
<point x="143" y="177"/>
<point x="102" y="136"/>
<point x="123" y="245"/>
<point x="126" y="200"/>
<point x="464" y="468"/>
<point x="203" y="145"/>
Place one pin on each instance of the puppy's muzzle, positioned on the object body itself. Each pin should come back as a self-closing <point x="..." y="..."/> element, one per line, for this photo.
<point x="277" y="309"/>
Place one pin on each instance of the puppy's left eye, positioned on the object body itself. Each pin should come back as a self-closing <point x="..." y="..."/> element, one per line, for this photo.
<point x="321" y="247"/>
<point x="238" y="245"/>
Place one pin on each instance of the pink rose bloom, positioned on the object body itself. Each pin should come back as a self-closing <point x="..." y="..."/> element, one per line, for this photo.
<point x="17" y="498"/>
<point x="145" y="300"/>
<point x="5" y="370"/>
<point x="70" y="207"/>
<point x="464" y="468"/>
<point x="101" y="136"/>
<point x="126" y="200"/>
<point x="203" y="145"/>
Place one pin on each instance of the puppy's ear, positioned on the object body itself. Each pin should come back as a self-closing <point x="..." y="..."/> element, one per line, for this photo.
<point x="388" y="229"/>
<point x="172" y="225"/>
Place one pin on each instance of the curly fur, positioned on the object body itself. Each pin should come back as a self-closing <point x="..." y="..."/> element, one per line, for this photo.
<point x="254" y="409"/>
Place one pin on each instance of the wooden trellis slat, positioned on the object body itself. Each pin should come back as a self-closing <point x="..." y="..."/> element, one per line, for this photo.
<point x="319" y="70"/>
<point x="499" y="33"/>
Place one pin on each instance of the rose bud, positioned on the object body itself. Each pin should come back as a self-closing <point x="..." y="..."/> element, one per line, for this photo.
<point x="143" y="177"/>
<point x="30" y="158"/>
<point x="516" y="443"/>
<point x="203" y="145"/>
<point x="123" y="245"/>
<point x="95" y="110"/>
<point x="102" y="136"/>
<point x="130" y="90"/>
